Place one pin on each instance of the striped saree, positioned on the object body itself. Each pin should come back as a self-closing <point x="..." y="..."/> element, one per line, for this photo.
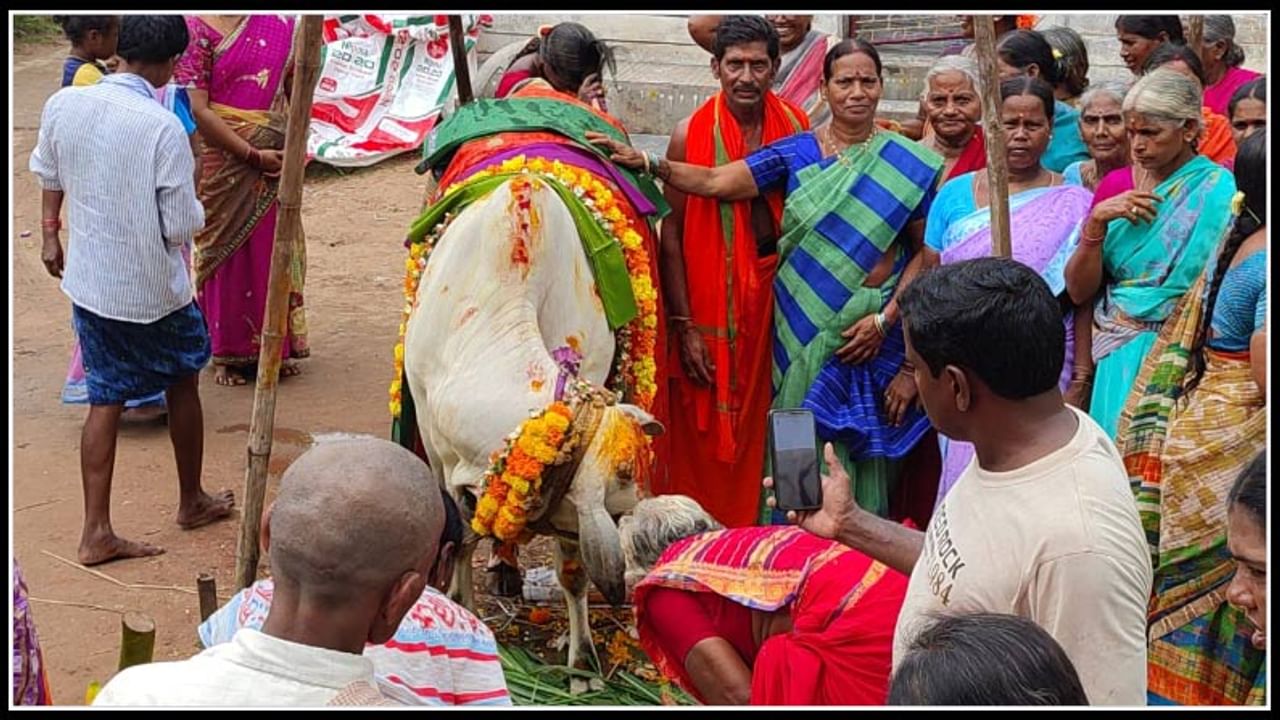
<point x="843" y="608"/>
<point x="837" y="224"/>
<point x="1182" y="456"/>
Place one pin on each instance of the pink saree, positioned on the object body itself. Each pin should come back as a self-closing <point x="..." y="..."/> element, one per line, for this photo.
<point x="245" y="74"/>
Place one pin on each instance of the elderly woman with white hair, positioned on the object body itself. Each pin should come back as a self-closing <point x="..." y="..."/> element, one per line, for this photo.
<point x="1149" y="235"/>
<point x="1102" y="129"/>
<point x="1222" y="59"/>
<point x="761" y="615"/>
<point x="953" y="107"/>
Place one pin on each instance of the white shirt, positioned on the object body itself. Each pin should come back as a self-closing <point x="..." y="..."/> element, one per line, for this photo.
<point x="1057" y="541"/>
<point x="252" y="670"/>
<point x="125" y="167"/>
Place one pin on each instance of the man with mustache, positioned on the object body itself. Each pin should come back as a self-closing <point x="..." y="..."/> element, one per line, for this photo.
<point x="718" y="261"/>
<point x="799" y="73"/>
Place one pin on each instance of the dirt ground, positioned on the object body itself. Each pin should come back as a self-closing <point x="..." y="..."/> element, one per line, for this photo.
<point x="354" y="224"/>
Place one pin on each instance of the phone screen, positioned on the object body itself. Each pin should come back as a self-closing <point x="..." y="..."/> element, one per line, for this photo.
<point x="797" y="483"/>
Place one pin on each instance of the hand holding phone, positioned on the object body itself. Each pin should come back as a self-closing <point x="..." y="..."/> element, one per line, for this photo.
<point x="793" y="455"/>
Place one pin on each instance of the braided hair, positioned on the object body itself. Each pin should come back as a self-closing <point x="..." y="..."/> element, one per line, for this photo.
<point x="1251" y="179"/>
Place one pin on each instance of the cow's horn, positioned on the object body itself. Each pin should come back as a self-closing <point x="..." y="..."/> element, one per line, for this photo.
<point x="601" y="549"/>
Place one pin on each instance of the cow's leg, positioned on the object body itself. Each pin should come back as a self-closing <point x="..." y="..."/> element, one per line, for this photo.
<point x="573" y="580"/>
<point x="504" y="570"/>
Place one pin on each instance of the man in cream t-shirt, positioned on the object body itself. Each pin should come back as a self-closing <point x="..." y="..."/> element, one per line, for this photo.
<point x="1042" y="524"/>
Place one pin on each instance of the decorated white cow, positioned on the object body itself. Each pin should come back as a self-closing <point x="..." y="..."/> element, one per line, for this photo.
<point x="507" y="348"/>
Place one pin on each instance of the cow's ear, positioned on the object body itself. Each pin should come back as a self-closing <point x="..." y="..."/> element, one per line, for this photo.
<point x="648" y="423"/>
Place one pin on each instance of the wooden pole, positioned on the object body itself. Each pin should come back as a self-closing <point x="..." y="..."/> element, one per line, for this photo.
<point x="137" y="639"/>
<point x="461" y="71"/>
<point x="288" y="227"/>
<point x="984" y="36"/>
<point x="207" y="588"/>
<point x="1195" y="34"/>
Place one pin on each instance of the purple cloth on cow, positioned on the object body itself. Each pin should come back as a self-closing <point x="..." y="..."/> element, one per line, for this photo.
<point x="577" y="157"/>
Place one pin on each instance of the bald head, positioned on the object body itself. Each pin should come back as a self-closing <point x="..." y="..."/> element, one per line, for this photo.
<point x="352" y="517"/>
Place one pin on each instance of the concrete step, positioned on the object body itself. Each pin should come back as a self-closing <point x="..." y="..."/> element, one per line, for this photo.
<point x="651" y="98"/>
<point x="662" y="76"/>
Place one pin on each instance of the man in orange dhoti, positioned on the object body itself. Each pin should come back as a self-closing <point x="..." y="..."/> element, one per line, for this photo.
<point x="718" y="262"/>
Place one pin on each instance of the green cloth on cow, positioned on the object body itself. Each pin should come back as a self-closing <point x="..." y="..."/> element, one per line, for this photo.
<point x="608" y="264"/>
<point x="482" y="118"/>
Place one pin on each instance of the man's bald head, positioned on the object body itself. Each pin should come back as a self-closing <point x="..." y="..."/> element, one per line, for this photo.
<point x="352" y="517"/>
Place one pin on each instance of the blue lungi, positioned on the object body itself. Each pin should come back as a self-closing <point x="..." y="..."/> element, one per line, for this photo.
<point x="124" y="360"/>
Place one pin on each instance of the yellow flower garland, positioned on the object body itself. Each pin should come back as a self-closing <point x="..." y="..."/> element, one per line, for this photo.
<point x="514" y="477"/>
<point x="414" y="266"/>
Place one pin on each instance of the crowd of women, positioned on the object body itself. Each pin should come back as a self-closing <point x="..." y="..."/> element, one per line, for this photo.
<point x="1141" y="205"/>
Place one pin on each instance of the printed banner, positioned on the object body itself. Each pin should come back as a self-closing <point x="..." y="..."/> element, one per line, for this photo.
<point x="383" y="81"/>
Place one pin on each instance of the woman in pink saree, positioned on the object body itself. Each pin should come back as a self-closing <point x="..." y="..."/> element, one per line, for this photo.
<point x="237" y="71"/>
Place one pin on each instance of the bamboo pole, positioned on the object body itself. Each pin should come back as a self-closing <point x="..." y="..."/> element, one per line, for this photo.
<point x="461" y="71"/>
<point x="208" y="589"/>
<point x="288" y="227"/>
<point x="137" y="639"/>
<point x="984" y="36"/>
<point x="1195" y="35"/>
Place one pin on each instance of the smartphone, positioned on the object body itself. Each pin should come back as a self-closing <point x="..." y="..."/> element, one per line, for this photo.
<point x="793" y="455"/>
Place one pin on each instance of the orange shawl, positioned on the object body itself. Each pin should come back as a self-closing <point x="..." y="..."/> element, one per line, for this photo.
<point x="1217" y="142"/>
<point x="718" y="433"/>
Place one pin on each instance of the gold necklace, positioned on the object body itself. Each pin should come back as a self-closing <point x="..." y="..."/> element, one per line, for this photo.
<point x="844" y="157"/>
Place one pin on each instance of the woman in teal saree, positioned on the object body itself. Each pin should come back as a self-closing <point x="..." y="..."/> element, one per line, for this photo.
<point x="1149" y="235"/>
<point x="852" y="230"/>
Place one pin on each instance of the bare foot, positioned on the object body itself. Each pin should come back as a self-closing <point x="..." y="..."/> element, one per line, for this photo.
<point x="228" y="376"/>
<point x="113" y="547"/>
<point x="209" y="508"/>
<point x="289" y="368"/>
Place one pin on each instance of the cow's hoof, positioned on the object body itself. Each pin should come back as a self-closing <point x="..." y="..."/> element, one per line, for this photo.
<point x="505" y="581"/>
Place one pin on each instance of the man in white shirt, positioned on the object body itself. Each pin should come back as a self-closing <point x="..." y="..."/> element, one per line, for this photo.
<point x="1042" y="524"/>
<point x="351" y="538"/>
<point x="442" y="654"/>
<point x="123" y="164"/>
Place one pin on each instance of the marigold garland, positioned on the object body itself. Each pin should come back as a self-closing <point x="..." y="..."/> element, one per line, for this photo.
<point x="414" y="266"/>
<point x="514" y="478"/>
